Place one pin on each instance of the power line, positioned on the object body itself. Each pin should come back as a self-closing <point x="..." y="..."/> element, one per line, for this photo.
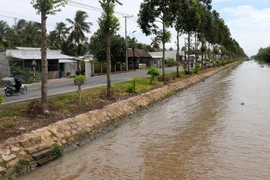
<point x="7" y="16"/>
<point x="90" y="7"/>
<point x="70" y="3"/>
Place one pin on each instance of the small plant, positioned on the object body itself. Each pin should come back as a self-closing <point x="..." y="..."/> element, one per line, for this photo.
<point x="13" y="176"/>
<point x="66" y="111"/>
<point x="170" y="62"/>
<point x="1" y="99"/>
<point x="154" y="72"/>
<point x="135" y="79"/>
<point x="57" y="150"/>
<point x="173" y="76"/>
<point x="9" y="124"/>
<point x="197" y="69"/>
<point x="130" y="88"/>
<point x="80" y="80"/>
<point x="34" y="107"/>
<point x="3" y="164"/>
<point x="21" y="167"/>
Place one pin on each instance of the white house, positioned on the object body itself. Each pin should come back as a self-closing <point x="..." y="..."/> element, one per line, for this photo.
<point x="58" y="64"/>
<point x="168" y="55"/>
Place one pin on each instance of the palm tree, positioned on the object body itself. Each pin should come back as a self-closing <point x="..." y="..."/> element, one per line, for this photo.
<point x="61" y="33"/>
<point x="28" y="33"/>
<point x="5" y="35"/>
<point x="79" y="27"/>
<point x="58" y="36"/>
<point x="156" y="43"/>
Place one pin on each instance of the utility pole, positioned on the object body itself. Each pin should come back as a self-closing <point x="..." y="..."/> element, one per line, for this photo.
<point x="15" y="22"/>
<point x="126" y="16"/>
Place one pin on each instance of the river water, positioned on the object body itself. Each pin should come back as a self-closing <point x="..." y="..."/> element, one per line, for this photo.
<point x="218" y="129"/>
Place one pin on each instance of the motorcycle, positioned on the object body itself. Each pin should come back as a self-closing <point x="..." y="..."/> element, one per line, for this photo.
<point x="10" y="88"/>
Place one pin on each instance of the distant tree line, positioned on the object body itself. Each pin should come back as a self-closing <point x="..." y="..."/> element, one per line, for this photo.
<point x="263" y="54"/>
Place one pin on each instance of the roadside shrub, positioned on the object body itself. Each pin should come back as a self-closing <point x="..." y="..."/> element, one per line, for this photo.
<point x="170" y="62"/>
<point x="153" y="72"/>
<point x="27" y="76"/>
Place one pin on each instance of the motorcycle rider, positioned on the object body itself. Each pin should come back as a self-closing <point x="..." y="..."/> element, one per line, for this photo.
<point x="18" y="83"/>
<point x="79" y="72"/>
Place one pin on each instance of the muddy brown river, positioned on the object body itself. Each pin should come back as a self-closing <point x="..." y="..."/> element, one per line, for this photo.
<point x="218" y="129"/>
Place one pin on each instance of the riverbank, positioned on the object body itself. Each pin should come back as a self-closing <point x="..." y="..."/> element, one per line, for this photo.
<point x="24" y="153"/>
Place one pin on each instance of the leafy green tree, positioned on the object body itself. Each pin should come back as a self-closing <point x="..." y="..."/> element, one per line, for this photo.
<point x="78" y="28"/>
<point x="97" y="47"/>
<point x="44" y="8"/>
<point x="191" y="20"/>
<point x="178" y="7"/>
<point x="203" y="49"/>
<point x="263" y="54"/>
<point x="151" y="12"/>
<point x="216" y="52"/>
<point x="108" y="24"/>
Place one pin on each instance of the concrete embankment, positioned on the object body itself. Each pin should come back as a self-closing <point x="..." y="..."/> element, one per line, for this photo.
<point x="24" y="153"/>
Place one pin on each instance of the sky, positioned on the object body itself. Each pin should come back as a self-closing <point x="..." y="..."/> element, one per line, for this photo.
<point x="248" y="20"/>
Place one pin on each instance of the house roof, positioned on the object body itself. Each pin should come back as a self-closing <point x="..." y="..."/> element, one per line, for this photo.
<point x="168" y="54"/>
<point x="35" y="53"/>
<point x="138" y="53"/>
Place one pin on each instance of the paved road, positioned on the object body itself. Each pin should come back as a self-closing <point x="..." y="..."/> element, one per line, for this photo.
<point x="60" y="86"/>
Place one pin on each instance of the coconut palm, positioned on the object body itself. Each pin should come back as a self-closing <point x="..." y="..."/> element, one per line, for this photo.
<point x="79" y="27"/>
<point x="59" y="35"/>
<point x="29" y="34"/>
<point x="156" y="41"/>
<point x="5" y="35"/>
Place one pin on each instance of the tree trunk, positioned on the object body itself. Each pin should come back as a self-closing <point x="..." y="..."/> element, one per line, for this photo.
<point x="108" y="65"/>
<point x="163" y="51"/>
<point x="202" y="60"/>
<point x="133" y="58"/>
<point x="92" y="69"/>
<point x="188" y="51"/>
<point x="101" y="68"/>
<point x="44" y="63"/>
<point x="177" y="55"/>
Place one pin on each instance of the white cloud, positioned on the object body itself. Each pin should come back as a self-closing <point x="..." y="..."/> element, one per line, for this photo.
<point x="249" y="26"/>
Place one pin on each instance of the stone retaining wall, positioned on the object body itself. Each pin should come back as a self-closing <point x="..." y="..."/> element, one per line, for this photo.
<point x="24" y="153"/>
